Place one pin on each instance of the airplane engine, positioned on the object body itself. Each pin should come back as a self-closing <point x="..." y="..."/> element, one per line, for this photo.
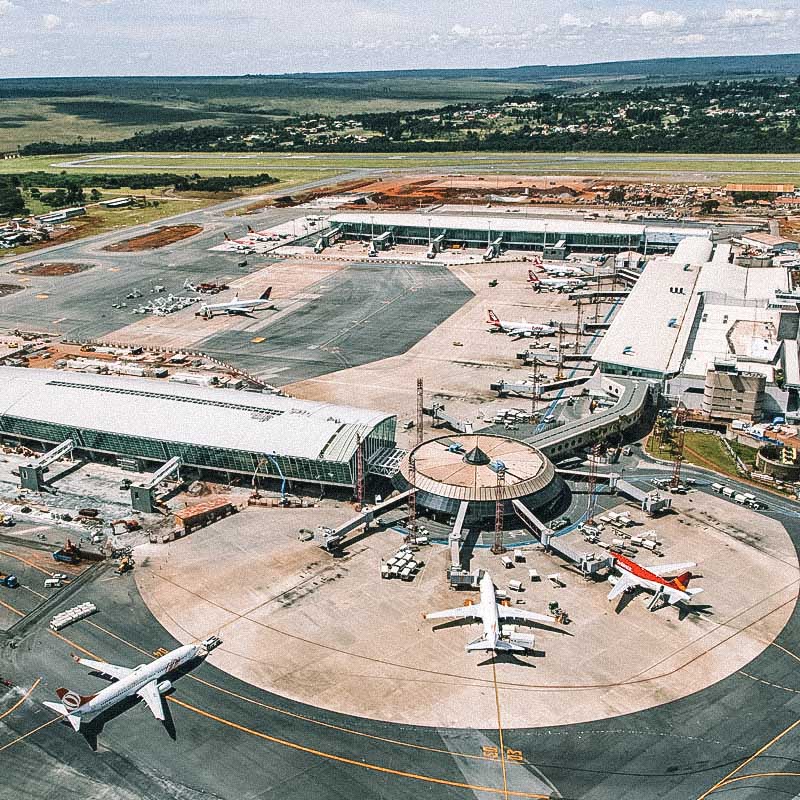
<point x="164" y="687"/>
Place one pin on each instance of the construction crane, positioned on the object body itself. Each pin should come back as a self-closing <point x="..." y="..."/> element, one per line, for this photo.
<point x="420" y="422"/>
<point x="591" y="488"/>
<point x="412" y="498"/>
<point x="359" y="474"/>
<point x="560" y="370"/>
<point x="497" y="546"/>
<point x="678" y="435"/>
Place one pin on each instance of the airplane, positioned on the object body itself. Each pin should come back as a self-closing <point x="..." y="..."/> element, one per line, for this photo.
<point x="559" y="284"/>
<point x="144" y="681"/>
<point x="237" y="246"/>
<point x="491" y="613"/>
<point x="559" y="270"/>
<point x="520" y="329"/>
<point x="204" y="287"/>
<point x="635" y="577"/>
<point x="235" y="306"/>
<point x="259" y="237"/>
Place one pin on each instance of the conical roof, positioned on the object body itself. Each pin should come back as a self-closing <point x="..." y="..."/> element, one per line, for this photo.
<point x="477" y="457"/>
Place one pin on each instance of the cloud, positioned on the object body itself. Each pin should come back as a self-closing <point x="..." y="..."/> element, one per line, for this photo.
<point x="6" y="52"/>
<point x="690" y="38"/>
<point x="752" y="17"/>
<point x="571" y="21"/>
<point x="658" y="19"/>
<point x="50" y="21"/>
<point x="461" y="31"/>
<point x="6" y="6"/>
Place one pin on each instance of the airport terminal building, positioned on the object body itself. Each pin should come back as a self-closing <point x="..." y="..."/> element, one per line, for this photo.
<point x="220" y="431"/>
<point x="551" y="235"/>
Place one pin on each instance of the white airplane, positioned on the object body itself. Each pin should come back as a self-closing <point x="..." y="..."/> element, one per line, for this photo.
<point x="559" y="284"/>
<point x="558" y="270"/>
<point x="238" y="246"/>
<point x="235" y="306"/>
<point x="258" y="237"/>
<point x="491" y="613"/>
<point x="635" y="577"/>
<point x="520" y="329"/>
<point x="144" y="681"/>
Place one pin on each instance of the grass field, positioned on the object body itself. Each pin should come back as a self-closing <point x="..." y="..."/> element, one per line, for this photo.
<point x="706" y="450"/>
<point x="713" y="169"/>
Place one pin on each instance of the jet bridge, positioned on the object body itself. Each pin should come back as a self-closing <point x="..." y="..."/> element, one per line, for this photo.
<point x="436" y="244"/>
<point x="333" y="538"/>
<point x="441" y="417"/>
<point x="587" y="563"/>
<point x="31" y="476"/>
<point x="143" y="495"/>
<point x="493" y="250"/>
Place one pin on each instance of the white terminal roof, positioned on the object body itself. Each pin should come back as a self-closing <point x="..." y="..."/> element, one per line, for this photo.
<point x="645" y="331"/>
<point x="550" y="225"/>
<point x="725" y="311"/>
<point x="152" y="409"/>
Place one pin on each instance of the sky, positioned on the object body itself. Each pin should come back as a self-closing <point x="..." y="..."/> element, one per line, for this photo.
<point x="234" y="37"/>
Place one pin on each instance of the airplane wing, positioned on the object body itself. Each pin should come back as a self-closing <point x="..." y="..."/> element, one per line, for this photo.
<point x="670" y="569"/>
<point x="623" y="584"/>
<point x="509" y="612"/>
<point x="462" y="612"/>
<point x="112" y="670"/>
<point x="149" y="693"/>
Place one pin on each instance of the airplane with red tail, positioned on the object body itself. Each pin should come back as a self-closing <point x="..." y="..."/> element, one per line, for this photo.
<point x="635" y="577"/>
<point x="520" y="329"/>
<point x="556" y="284"/>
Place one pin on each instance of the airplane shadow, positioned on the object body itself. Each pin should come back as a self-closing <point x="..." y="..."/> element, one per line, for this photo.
<point x="624" y="601"/>
<point x="512" y="658"/>
<point x="695" y="610"/>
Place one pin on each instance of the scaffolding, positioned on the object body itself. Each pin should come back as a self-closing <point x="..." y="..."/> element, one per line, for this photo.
<point x="419" y="411"/>
<point x="412" y="498"/>
<point x="359" y="474"/>
<point x="497" y="545"/>
<point x="678" y="435"/>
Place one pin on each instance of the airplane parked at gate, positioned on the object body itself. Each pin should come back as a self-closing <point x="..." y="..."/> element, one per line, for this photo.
<point x="491" y="614"/>
<point x="259" y="237"/>
<point x="144" y="681"/>
<point x="557" y="284"/>
<point x="237" y="246"/>
<point x="235" y="306"/>
<point x="558" y="270"/>
<point x="520" y="329"/>
<point x="635" y="577"/>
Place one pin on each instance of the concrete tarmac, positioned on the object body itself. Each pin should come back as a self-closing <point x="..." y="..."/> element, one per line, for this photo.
<point x="233" y="741"/>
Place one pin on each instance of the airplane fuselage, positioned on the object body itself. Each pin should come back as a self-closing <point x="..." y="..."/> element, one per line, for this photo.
<point x="650" y="581"/>
<point x="130" y="684"/>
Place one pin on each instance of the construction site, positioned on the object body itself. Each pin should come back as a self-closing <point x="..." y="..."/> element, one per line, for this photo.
<point x="304" y="432"/>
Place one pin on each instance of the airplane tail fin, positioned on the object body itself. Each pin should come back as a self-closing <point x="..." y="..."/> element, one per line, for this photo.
<point x="493" y="318"/>
<point x="532" y="277"/>
<point x="70" y="703"/>
<point x="227" y="238"/>
<point x="497" y="646"/>
<point x="73" y="719"/>
<point x="250" y="230"/>
<point x="682" y="581"/>
<point x="266" y="294"/>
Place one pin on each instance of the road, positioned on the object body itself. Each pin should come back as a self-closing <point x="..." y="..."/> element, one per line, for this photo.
<point x="344" y="323"/>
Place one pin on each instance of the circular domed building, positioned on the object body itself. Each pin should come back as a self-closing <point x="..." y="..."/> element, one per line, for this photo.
<point x="450" y="470"/>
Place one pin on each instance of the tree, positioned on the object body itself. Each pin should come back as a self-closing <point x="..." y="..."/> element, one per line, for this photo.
<point x="709" y="206"/>
<point x="617" y="194"/>
<point x="94" y="195"/>
<point x="12" y="203"/>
